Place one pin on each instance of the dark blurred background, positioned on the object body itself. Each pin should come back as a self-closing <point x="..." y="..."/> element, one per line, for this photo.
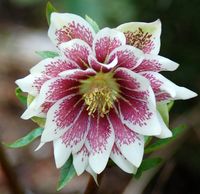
<point x="23" y="30"/>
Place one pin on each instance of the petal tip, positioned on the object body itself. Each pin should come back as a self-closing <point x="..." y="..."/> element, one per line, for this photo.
<point x="39" y="146"/>
<point x="184" y="93"/>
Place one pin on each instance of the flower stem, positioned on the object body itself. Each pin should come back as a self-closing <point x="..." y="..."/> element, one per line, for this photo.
<point x="13" y="182"/>
<point x="92" y="187"/>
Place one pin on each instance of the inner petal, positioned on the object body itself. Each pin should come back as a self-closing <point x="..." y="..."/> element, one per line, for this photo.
<point x="106" y="41"/>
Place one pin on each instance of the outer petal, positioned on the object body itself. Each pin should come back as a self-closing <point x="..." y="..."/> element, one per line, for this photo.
<point x="72" y="141"/>
<point x="32" y="110"/>
<point x="129" y="79"/>
<point x="100" y="141"/>
<point x="31" y="83"/>
<point x="128" y="56"/>
<point x="52" y="67"/>
<point x="130" y="144"/>
<point x="44" y="71"/>
<point x="66" y="26"/>
<point x="156" y="63"/>
<point x="93" y="174"/>
<point x="166" y="90"/>
<point x="106" y="41"/>
<point x="76" y="135"/>
<point x="139" y="116"/>
<point x="77" y="51"/>
<point x="61" y="117"/>
<point x="61" y="152"/>
<point x="59" y="87"/>
<point x="121" y="161"/>
<point x="137" y="103"/>
<point x="56" y="88"/>
<point x="165" y="132"/>
<point x="81" y="160"/>
<point x="145" y="36"/>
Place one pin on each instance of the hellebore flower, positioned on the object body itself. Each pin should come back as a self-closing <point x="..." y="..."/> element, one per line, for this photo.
<point x="99" y="96"/>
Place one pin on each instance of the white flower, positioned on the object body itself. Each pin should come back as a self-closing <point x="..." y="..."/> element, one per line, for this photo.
<point x="99" y="96"/>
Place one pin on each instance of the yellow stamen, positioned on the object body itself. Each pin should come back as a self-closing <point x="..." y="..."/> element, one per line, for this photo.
<point x="99" y="93"/>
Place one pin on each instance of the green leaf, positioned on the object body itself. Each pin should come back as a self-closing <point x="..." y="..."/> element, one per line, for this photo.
<point x="160" y="143"/>
<point x="92" y="23"/>
<point x="147" y="164"/>
<point x="67" y="172"/>
<point x="19" y="94"/>
<point x="47" y="54"/>
<point x="49" y="10"/>
<point x="26" y="139"/>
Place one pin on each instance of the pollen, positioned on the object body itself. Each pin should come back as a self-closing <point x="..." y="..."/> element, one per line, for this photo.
<point x="99" y="93"/>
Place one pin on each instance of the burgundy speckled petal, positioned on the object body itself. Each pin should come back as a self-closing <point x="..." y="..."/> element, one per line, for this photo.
<point x="131" y="80"/>
<point x="44" y="71"/>
<point x="76" y="135"/>
<point x="106" y="40"/>
<point x="61" y="117"/>
<point x="100" y="140"/>
<point x="57" y="88"/>
<point x="130" y="144"/>
<point x="77" y="51"/>
<point x="137" y="103"/>
<point x="166" y="90"/>
<point x="128" y="56"/>
<point x="65" y="27"/>
<point x="156" y="63"/>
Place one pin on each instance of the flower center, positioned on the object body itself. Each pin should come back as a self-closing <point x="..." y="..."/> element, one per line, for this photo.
<point x="99" y="93"/>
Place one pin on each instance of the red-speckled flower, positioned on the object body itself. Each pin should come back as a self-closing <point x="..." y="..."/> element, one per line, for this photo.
<point x="99" y="96"/>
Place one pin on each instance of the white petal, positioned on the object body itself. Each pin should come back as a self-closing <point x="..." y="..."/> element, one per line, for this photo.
<point x="162" y="85"/>
<point x="61" y="152"/>
<point x="156" y="63"/>
<point x="94" y="175"/>
<point x="121" y="161"/>
<point x="80" y="160"/>
<point x="137" y="112"/>
<point x="55" y="89"/>
<point x="132" y="80"/>
<point x="39" y="146"/>
<point x="41" y="66"/>
<point x="66" y="26"/>
<point x="165" y="132"/>
<point x="97" y="66"/>
<point x="184" y="93"/>
<point x="128" y="56"/>
<point x="129" y="143"/>
<point x="32" y="110"/>
<point x="106" y="40"/>
<point x="145" y="36"/>
<point x="26" y="84"/>
<point x="76" y="50"/>
<point x="101" y="139"/>
<point x="55" y="125"/>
